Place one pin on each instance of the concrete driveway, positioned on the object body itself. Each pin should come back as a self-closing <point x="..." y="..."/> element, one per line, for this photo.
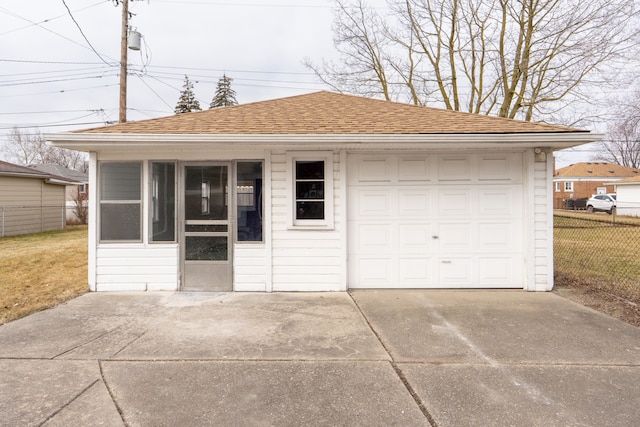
<point x="374" y="358"/>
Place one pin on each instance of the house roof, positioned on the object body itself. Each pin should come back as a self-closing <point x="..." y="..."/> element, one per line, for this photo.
<point x="596" y="170"/>
<point x="327" y="113"/>
<point x="10" y="169"/>
<point x="628" y="181"/>
<point x="61" y="171"/>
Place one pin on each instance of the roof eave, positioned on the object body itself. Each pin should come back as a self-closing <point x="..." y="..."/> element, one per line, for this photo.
<point x="115" y="141"/>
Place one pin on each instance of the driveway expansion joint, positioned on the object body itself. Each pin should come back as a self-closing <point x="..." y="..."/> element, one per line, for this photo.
<point x="396" y="368"/>
<point x="111" y="395"/>
<point x="83" y="391"/>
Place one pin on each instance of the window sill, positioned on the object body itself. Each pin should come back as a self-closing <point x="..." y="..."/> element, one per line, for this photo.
<point x="323" y="227"/>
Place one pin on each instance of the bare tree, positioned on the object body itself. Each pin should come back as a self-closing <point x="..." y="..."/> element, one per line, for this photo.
<point x="28" y="147"/>
<point x="622" y="143"/>
<point x="80" y="204"/>
<point x="25" y="147"/>
<point x="511" y="58"/>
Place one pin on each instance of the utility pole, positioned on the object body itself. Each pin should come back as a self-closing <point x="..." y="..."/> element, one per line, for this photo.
<point x="123" y="61"/>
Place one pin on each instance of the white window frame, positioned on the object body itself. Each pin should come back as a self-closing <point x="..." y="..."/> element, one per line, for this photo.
<point x="138" y="202"/>
<point x="310" y="224"/>
<point x="568" y="186"/>
<point x="558" y="186"/>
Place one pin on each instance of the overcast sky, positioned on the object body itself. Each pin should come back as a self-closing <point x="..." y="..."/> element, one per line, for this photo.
<point x="58" y="75"/>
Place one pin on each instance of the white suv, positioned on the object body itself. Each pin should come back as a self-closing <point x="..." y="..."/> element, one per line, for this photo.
<point x="602" y="203"/>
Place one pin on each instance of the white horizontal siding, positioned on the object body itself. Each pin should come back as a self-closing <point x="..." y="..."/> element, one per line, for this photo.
<point x="543" y="226"/>
<point x="137" y="267"/>
<point x="249" y="268"/>
<point x="303" y="260"/>
<point x="628" y="200"/>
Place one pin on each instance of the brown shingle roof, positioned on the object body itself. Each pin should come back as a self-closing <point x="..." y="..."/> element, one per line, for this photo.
<point x="629" y="180"/>
<point x="10" y="168"/>
<point x="596" y="169"/>
<point x="328" y="113"/>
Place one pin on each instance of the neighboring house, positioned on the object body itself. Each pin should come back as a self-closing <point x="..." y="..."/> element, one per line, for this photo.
<point x="75" y="193"/>
<point x="321" y="192"/>
<point x="628" y="196"/>
<point x="30" y="201"/>
<point x="573" y="184"/>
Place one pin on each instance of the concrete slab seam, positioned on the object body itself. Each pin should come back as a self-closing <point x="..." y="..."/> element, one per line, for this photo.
<point x="86" y="342"/>
<point x="113" y="397"/>
<point x="56" y="412"/>
<point x="130" y="342"/>
<point x="396" y="368"/>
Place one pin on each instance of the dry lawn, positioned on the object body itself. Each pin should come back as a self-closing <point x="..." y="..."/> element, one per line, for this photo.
<point x="39" y="271"/>
<point x="597" y="263"/>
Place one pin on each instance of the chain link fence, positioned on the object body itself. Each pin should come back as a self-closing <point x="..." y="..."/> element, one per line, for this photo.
<point x="598" y="251"/>
<point x="15" y="220"/>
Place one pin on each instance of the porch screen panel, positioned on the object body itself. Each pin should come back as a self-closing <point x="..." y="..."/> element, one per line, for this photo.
<point x="249" y="201"/>
<point x="120" y="201"/>
<point x="163" y="202"/>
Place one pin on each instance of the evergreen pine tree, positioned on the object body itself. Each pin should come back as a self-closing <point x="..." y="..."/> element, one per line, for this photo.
<point x="224" y="96"/>
<point x="187" y="101"/>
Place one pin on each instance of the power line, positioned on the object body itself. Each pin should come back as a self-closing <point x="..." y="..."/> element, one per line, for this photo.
<point x="46" y="20"/>
<point x="44" y="28"/>
<point x="82" y="32"/>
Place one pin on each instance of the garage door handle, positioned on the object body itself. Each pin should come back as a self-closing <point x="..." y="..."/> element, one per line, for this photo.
<point x="446" y="261"/>
<point x="434" y="237"/>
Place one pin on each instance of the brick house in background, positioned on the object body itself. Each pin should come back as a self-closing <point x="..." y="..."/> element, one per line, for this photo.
<point x="579" y="181"/>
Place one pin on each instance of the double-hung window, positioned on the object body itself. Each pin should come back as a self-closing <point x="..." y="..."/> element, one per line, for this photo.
<point x="568" y="186"/>
<point x="120" y="201"/>
<point x="312" y="189"/>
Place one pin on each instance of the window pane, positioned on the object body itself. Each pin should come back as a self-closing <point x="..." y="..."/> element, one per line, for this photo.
<point x="120" y="181"/>
<point x="120" y="221"/>
<point x="310" y="190"/>
<point x="206" y="248"/>
<point x="163" y="202"/>
<point x="310" y="169"/>
<point x="206" y="193"/>
<point x="309" y="210"/>
<point x="249" y="201"/>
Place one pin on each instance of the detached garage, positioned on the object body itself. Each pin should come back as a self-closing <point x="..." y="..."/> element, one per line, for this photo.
<point x="321" y="192"/>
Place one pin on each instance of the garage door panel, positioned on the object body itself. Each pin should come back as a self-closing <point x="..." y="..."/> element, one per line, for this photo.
<point x="373" y="238"/>
<point x="415" y="203"/>
<point x="375" y="272"/>
<point x="500" y="167"/>
<point x="455" y="237"/>
<point x="454" y="202"/>
<point x="415" y="238"/>
<point x="372" y="169"/>
<point x="454" y="168"/>
<point x="415" y="169"/>
<point x="499" y="200"/>
<point x="415" y="272"/>
<point x="454" y="271"/>
<point x="499" y="271"/>
<point x="374" y="203"/>
<point x="498" y="237"/>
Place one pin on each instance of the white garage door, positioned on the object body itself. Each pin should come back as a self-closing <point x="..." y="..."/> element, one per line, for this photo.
<point x="435" y="221"/>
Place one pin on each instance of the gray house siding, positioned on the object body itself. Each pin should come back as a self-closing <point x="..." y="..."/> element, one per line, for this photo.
<point x="30" y="205"/>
